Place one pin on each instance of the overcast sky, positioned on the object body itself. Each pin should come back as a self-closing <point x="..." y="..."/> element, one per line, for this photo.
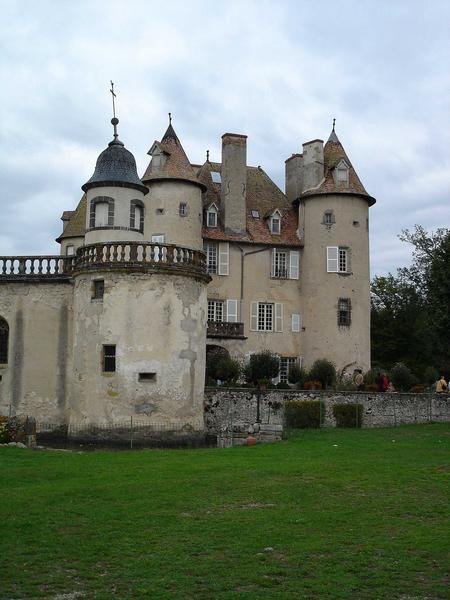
<point x="278" y="71"/>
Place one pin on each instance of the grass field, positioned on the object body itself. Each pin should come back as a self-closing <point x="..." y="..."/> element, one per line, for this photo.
<point x="328" y="514"/>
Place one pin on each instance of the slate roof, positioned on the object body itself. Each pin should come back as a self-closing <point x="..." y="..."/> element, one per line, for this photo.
<point x="333" y="153"/>
<point x="115" y="166"/>
<point x="76" y="227"/>
<point x="262" y="195"/>
<point x="176" y="165"/>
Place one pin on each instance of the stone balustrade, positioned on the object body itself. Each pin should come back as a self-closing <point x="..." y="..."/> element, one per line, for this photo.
<point x="124" y="255"/>
<point x="225" y="329"/>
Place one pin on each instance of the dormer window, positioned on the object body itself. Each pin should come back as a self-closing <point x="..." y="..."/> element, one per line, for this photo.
<point x="342" y="173"/>
<point x="275" y="223"/>
<point x="158" y="155"/>
<point x="211" y="216"/>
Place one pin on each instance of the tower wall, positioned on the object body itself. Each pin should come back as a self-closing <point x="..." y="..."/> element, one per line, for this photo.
<point x="158" y="324"/>
<point x="313" y="164"/>
<point x="163" y="213"/>
<point x="294" y="177"/>
<point x="323" y="338"/>
<point x="234" y="181"/>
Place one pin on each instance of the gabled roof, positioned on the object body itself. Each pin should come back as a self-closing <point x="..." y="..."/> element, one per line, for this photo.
<point x="176" y="164"/>
<point x="262" y="195"/>
<point x="76" y="227"/>
<point x="333" y="153"/>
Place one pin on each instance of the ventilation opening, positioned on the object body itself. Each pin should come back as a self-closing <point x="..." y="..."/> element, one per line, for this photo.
<point x="147" y="376"/>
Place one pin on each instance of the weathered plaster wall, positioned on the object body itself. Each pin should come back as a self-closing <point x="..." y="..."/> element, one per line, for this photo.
<point x="227" y="409"/>
<point x="158" y="324"/>
<point x="34" y="381"/>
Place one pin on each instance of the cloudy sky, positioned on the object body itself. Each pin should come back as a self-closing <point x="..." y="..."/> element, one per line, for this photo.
<point x="278" y="71"/>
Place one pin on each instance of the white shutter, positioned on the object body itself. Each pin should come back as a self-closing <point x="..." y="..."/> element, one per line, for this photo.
<point x="332" y="259"/>
<point x="274" y="256"/>
<point x="253" y="316"/>
<point x="278" y="317"/>
<point x="231" y="311"/>
<point x="293" y="264"/>
<point x="223" y="258"/>
<point x="296" y="322"/>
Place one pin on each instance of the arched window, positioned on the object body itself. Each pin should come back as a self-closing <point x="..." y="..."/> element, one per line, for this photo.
<point x="101" y="212"/>
<point x="4" y="335"/>
<point x="137" y="215"/>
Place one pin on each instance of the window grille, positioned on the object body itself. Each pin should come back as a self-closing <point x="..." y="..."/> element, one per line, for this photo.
<point x="98" y="289"/>
<point x="183" y="209"/>
<point x="344" y="312"/>
<point x="109" y="359"/>
<point x="4" y="339"/>
<point x="215" y="310"/>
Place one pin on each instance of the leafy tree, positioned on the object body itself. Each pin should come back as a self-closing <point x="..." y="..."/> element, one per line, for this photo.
<point x="401" y="377"/>
<point x="262" y="366"/>
<point x="324" y="371"/>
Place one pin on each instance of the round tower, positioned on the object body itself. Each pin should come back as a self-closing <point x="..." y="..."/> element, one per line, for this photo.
<point x="139" y="308"/>
<point x="334" y="226"/>
<point x="175" y="200"/>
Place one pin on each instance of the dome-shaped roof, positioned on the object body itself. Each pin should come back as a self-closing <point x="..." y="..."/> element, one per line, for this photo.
<point x="115" y="166"/>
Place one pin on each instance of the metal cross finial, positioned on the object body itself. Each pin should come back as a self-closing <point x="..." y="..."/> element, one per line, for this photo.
<point x="334" y="121"/>
<point x="207" y="156"/>
<point x="114" y="120"/>
<point x="170" y="118"/>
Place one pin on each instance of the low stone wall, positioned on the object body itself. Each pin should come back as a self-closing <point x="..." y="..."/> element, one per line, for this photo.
<point x="228" y="410"/>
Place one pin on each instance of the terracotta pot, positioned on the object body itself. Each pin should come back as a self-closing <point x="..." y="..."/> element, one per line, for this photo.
<point x="251" y="441"/>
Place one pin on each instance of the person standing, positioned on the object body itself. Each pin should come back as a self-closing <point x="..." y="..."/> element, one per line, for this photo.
<point x="359" y="381"/>
<point x="441" y="385"/>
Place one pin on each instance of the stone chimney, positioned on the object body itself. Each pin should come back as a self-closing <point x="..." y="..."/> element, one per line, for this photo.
<point x="234" y="181"/>
<point x="294" y="177"/>
<point x="313" y="169"/>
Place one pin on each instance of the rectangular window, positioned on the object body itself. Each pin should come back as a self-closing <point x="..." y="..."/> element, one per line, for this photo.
<point x="279" y="264"/>
<point x="337" y="259"/>
<point x="183" y="209"/>
<point x="224" y="251"/>
<point x="70" y="250"/>
<point x="232" y="311"/>
<point x="109" y="359"/>
<point x="158" y="238"/>
<point x="286" y="362"/>
<point x="275" y="225"/>
<point x="295" y="323"/>
<point x="211" y="257"/>
<point x="344" y="312"/>
<point x="215" y="310"/>
<point x="216" y="177"/>
<point x="98" y="289"/>
<point x="265" y="316"/>
<point x="211" y="218"/>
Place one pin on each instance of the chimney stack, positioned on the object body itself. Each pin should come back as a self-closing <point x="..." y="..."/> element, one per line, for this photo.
<point x="294" y="177"/>
<point x="313" y="169"/>
<point x="234" y="181"/>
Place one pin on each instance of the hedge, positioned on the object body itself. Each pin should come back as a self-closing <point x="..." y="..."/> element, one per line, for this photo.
<point x="348" y="415"/>
<point x="302" y="414"/>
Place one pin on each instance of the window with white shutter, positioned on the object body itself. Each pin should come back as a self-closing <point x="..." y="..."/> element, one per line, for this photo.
<point x="223" y="259"/>
<point x="232" y="311"/>
<point x="278" y="317"/>
<point x="293" y="264"/>
<point x="254" y="316"/>
<point x="332" y="259"/>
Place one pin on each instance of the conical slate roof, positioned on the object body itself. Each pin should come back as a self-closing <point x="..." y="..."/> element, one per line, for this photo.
<point x="115" y="166"/>
<point x="333" y="153"/>
<point x="176" y="164"/>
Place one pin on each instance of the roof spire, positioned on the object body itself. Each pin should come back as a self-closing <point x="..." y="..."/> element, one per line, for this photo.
<point x="170" y="118"/>
<point x="207" y="156"/>
<point x="333" y="137"/>
<point x="114" y="120"/>
<point x="334" y="122"/>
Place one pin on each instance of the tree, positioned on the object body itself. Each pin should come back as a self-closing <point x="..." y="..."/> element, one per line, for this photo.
<point x="262" y="366"/>
<point x="324" y="371"/>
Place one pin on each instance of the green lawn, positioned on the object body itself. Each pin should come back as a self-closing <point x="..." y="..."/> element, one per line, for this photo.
<point x="348" y="514"/>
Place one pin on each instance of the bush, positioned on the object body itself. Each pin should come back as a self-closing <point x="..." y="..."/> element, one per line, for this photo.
<point x="296" y="374"/>
<point x="4" y="431"/>
<point x="262" y="366"/>
<point x="303" y="414"/>
<point x="213" y="357"/>
<point x="324" y="371"/>
<point x="430" y="375"/>
<point x="401" y="377"/>
<point x="227" y="369"/>
<point x="348" y="415"/>
<point x="282" y="385"/>
<point x="312" y="385"/>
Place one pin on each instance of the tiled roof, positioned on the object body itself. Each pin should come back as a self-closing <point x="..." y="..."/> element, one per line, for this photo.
<point x="76" y="227"/>
<point x="333" y="153"/>
<point x="262" y="195"/>
<point x="176" y="165"/>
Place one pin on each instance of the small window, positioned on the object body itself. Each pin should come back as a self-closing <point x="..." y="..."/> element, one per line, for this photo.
<point x="343" y="260"/>
<point x="216" y="177"/>
<point x="137" y="215"/>
<point x="183" y="209"/>
<point x="101" y="212"/>
<point x="342" y="175"/>
<point x="215" y="310"/>
<point x="344" y="312"/>
<point x="4" y="339"/>
<point x="296" y="322"/>
<point x="211" y="218"/>
<point x="109" y="359"/>
<point x="98" y="289"/>
<point x="159" y="211"/>
<point x="255" y="214"/>
<point x="147" y="376"/>
<point x="275" y="225"/>
<point x="158" y="238"/>
<point x="280" y="264"/>
<point x="286" y="362"/>
<point x="211" y="257"/>
<point x="70" y="250"/>
<point x="328" y="218"/>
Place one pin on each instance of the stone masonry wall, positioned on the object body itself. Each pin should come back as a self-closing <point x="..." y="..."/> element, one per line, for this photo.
<point x="235" y="409"/>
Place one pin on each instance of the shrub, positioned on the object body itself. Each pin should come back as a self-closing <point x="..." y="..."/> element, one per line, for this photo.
<point x="401" y="377"/>
<point x="227" y="369"/>
<point x="262" y="366"/>
<point x="370" y="376"/>
<point x="312" y="385"/>
<point x="324" y="371"/>
<point x="213" y="357"/>
<point x="430" y="375"/>
<point x="303" y="414"/>
<point x="282" y="385"/>
<point x="295" y="374"/>
<point x="348" y="415"/>
<point x="4" y="431"/>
